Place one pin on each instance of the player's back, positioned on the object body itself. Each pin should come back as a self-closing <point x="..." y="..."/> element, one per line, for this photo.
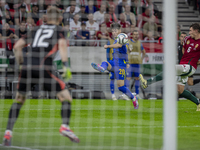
<point x="44" y="44"/>
<point x="192" y="51"/>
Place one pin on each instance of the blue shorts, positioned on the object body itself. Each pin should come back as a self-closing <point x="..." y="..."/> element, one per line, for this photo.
<point x="118" y="72"/>
<point x="134" y="69"/>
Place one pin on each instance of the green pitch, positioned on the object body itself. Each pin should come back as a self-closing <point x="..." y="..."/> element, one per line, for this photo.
<point x="100" y="125"/>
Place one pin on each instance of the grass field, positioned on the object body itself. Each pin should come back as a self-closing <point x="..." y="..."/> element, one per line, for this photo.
<point x="100" y="125"/>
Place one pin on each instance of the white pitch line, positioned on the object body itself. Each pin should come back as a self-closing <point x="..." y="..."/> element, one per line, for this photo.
<point x="17" y="147"/>
<point x="91" y="127"/>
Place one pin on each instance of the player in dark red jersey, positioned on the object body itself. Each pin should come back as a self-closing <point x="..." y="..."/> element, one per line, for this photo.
<point x="187" y="66"/>
<point x="38" y="69"/>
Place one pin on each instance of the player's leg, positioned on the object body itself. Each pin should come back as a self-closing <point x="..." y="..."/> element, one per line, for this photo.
<point x="112" y="85"/>
<point x="15" y="108"/>
<point x="120" y="74"/>
<point x="57" y="85"/>
<point x="104" y="66"/>
<point x="192" y="81"/>
<point x="181" y="81"/>
<point x="136" y="72"/>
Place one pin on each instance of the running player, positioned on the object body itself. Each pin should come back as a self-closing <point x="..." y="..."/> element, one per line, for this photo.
<point x="187" y="66"/>
<point x="118" y="64"/>
<point x="38" y="68"/>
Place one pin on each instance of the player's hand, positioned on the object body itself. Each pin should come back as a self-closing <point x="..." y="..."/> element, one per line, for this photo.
<point x="67" y="75"/>
<point x="105" y="46"/>
<point x="127" y="65"/>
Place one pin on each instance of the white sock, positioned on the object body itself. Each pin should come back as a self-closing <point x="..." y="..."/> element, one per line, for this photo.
<point x="66" y="126"/>
<point x="9" y="132"/>
<point x="113" y="95"/>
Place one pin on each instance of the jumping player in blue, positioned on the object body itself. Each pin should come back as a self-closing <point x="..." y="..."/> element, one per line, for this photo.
<point x="118" y="64"/>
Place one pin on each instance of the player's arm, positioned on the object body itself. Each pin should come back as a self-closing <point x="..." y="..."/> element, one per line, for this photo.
<point x="143" y="51"/>
<point x="183" y="50"/>
<point x="108" y="52"/>
<point x="62" y="45"/>
<point x="117" y="45"/>
<point x="18" y="50"/>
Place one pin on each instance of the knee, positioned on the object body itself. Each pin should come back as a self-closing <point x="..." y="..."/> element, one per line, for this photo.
<point x="136" y="78"/>
<point x="180" y="89"/>
<point x="20" y="98"/>
<point x="120" y="84"/>
<point x="128" y="78"/>
<point x="64" y="95"/>
<point x="190" y="82"/>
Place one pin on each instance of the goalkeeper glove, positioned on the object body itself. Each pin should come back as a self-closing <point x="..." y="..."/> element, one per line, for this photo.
<point x="67" y="75"/>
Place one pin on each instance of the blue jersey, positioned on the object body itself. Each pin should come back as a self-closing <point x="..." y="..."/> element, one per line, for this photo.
<point x="120" y="55"/>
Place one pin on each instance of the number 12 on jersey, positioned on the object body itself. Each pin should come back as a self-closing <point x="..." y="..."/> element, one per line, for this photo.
<point x="40" y="36"/>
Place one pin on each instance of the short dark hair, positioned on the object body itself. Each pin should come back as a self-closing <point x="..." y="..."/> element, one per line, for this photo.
<point x="183" y="33"/>
<point x="115" y="26"/>
<point x="135" y="31"/>
<point x="195" y="26"/>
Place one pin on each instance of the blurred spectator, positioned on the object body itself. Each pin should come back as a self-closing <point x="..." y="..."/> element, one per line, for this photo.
<point x="151" y="5"/>
<point x="130" y="17"/>
<point x="121" y="7"/>
<point x="146" y="17"/>
<point x="59" y="5"/>
<point x="9" y="4"/>
<point x="107" y="21"/>
<point x="2" y="15"/>
<point x="35" y="14"/>
<point x="83" y="34"/>
<point x="178" y="31"/>
<point x="75" y="25"/>
<point x="130" y="34"/>
<point x="82" y="2"/>
<point x="22" y="30"/>
<point x="112" y="14"/>
<point x="92" y="26"/>
<point x="30" y="23"/>
<point x="6" y="33"/>
<point x="199" y="5"/>
<point x="60" y="20"/>
<point x="150" y="26"/>
<point x="109" y="3"/>
<point x="90" y="8"/>
<point x="103" y="34"/>
<point x="75" y="8"/>
<point x="27" y="3"/>
<point x="68" y="16"/>
<point x="9" y="19"/>
<point x="99" y="15"/>
<point x="21" y="15"/>
<point x="42" y="21"/>
<point x="149" y="36"/>
<point x="42" y="6"/>
<point x="124" y="24"/>
<point x="69" y="34"/>
<point x="134" y="7"/>
<point x="160" y="39"/>
<point x="82" y="14"/>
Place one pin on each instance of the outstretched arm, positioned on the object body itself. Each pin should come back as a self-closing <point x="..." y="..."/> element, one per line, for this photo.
<point x="18" y="50"/>
<point x="117" y="45"/>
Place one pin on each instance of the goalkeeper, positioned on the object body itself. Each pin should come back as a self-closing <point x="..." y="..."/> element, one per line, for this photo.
<point x="38" y="69"/>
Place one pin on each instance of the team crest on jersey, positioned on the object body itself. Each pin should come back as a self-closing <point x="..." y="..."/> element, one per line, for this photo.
<point x="196" y="45"/>
<point x="131" y="47"/>
<point x="188" y="42"/>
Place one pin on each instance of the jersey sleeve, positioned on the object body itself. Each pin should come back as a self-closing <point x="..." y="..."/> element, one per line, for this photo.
<point x="184" y="42"/>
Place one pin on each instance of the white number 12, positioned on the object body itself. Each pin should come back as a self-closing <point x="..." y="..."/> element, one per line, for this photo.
<point x="39" y="40"/>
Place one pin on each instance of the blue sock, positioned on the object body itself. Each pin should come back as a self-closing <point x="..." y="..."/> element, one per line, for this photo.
<point x="104" y="64"/>
<point x="126" y="91"/>
<point x="127" y="83"/>
<point x="137" y="86"/>
<point x="112" y="86"/>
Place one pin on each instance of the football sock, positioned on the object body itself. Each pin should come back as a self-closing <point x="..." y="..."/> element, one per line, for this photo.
<point x="196" y="81"/>
<point x="66" y="112"/>
<point x="104" y="64"/>
<point x="126" y="91"/>
<point x="127" y="83"/>
<point x="137" y="86"/>
<point x="13" y="115"/>
<point x="154" y="79"/>
<point x="112" y="86"/>
<point x="188" y="95"/>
